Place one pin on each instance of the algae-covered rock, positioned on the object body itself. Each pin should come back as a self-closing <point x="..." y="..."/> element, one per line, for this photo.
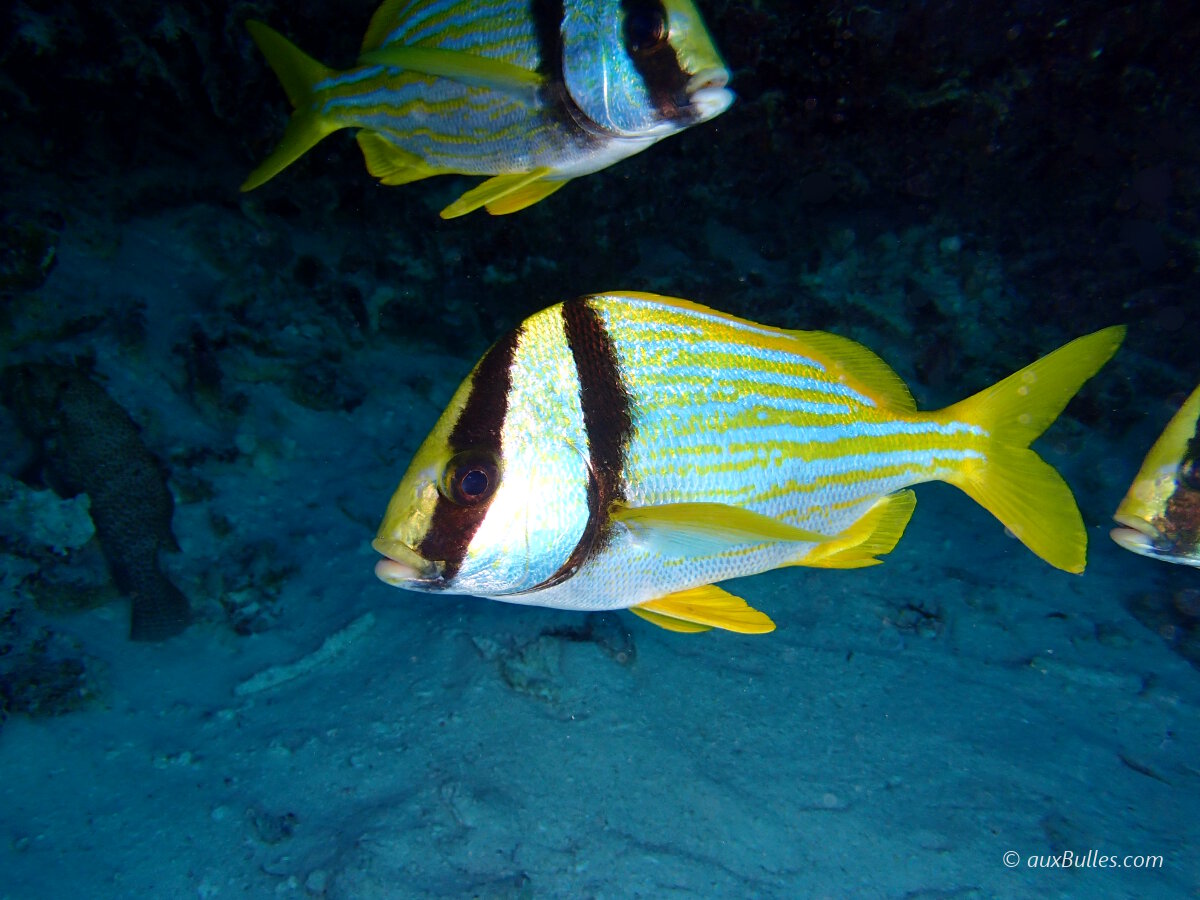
<point x="33" y="520"/>
<point x="42" y="673"/>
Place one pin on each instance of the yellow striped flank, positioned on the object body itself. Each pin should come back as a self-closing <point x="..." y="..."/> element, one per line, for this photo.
<point x="817" y="432"/>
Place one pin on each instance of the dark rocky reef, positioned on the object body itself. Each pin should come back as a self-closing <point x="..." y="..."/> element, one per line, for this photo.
<point x="89" y="444"/>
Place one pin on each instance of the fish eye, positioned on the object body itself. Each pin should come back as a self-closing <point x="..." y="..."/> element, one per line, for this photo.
<point x="470" y="478"/>
<point x="645" y="27"/>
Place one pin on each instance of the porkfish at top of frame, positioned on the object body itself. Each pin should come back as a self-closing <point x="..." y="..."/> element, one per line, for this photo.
<point x="532" y="93"/>
<point x="626" y="451"/>
<point x="1160" y="514"/>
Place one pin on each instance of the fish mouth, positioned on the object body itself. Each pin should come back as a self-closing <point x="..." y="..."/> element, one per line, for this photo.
<point x="1136" y="539"/>
<point x="1141" y="537"/>
<point x="404" y="567"/>
<point x="707" y="94"/>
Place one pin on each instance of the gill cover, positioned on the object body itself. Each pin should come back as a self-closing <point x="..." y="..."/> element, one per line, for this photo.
<point x="633" y="66"/>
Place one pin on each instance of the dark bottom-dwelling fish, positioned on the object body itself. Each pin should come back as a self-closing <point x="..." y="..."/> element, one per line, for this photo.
<point x="625" y="451"/>
<point x="1161" y="511"/>
<point x="92" y="446"/>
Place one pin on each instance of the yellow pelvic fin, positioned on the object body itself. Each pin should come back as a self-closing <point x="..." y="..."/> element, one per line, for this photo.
<point x="708" y="606"/>
<point x="532" y="193"/>
<point x="389" y="163"/>
<point x="668" y="622"/>
<point x="705" y="529"/>
<point x="297" y="72"/>
<point x="491" y="191"/>
<point x="874" y="534"/>
<point x="465" y="68"/>
<point x="1013" y="483"/>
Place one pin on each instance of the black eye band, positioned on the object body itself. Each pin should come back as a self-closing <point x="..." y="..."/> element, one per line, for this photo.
<point x="645" y="27"/>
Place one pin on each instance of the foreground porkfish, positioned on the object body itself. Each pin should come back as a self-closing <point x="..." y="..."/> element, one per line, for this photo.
<point x="534" y="94"/>
<point x="1161" y="511"/>
<point x="628" y="450"/>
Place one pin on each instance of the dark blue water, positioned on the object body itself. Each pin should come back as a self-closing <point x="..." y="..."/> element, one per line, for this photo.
<point x="959" y="189"/>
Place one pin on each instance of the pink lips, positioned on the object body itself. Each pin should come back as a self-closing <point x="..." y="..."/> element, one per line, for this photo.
<point x="402" y="565"/>
<point x="395" y="573"/>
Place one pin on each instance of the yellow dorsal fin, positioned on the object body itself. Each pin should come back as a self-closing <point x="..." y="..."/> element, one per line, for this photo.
<point x="465" y="68"/>
<point x="852" y="362"/>
<point x="708" y="605"/>
<point x="705" y="529"/>
<point x="491" y="191"/>
<point x="386" y="21"/>
<point x="532" y="193"/>
<point x="875" y="533"/>
<point x="389" y="163"/>
<point x="483" y="29"/>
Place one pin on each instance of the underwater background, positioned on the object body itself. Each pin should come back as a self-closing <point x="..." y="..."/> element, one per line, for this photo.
<point x="960" y="187"/>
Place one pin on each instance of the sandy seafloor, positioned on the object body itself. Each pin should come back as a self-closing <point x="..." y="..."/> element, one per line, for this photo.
<point x="373" y="743"/>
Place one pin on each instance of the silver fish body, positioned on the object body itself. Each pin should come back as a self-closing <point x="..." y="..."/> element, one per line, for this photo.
<point x="626" y="451"/>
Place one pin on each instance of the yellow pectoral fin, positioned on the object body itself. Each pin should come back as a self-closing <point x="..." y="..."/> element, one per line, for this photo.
<point x="705" y="529"/>
<point x="707" y="606"/>
<point x="389" y="163"/>
<point x="875" y="533"/>
<point x="492" y="191"/>
<point x="465" y="68"/>
<point x="532" y="193"/>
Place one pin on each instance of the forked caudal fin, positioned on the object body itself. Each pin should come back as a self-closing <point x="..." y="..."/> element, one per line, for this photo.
<point x="1012" y="482"/>
<point x="297" y="72"/>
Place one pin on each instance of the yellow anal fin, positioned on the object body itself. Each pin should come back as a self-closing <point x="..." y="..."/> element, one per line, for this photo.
<point x="492" y="191"/>
<point x="705" y="529"/>
<point x="532" y="193"/>
<point x="875" y="533"/>
<point x="707" y="606"/>
<point x="465" y="68"/>
<point x="389" y="163"/>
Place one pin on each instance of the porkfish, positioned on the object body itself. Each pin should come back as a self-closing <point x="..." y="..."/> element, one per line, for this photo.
<point x="626" y="451"/>
<point x="531" y="93"/>
<point x="1160" y="515"/>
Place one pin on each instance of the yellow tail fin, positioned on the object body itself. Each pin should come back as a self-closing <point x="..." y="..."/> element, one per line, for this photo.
<point x="1013" y="483"/>
<point x="298" y="72"/>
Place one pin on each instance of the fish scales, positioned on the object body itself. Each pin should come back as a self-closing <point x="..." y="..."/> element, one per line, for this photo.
<point x="500" y="28"/>
<point x="651" y="447"/>
<point x="446" y="124"/>
<point x="840" y="442"/>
